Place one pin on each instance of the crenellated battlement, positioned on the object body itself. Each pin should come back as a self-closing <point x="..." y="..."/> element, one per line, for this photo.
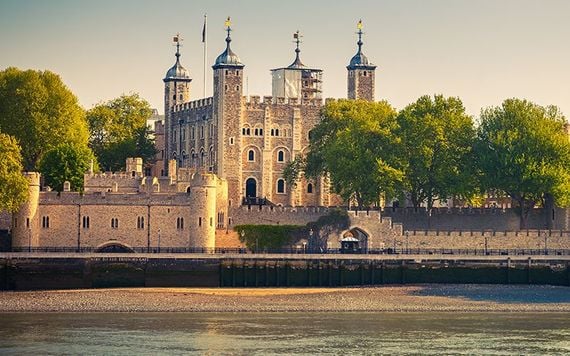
<point x="192" y="105"/>
<point x="490" y="233"/>
<point x="255" y="102"/>
<point x="445" y="210"/>
<point x="107" y="198"/>
<point x="255" y="209"/>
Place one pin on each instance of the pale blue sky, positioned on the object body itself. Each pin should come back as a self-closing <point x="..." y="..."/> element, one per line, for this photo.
<point x="482" y="51"/>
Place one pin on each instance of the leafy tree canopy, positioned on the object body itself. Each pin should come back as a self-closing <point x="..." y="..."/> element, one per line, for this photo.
<point x="13" y="185"/>
<point x="355" y="144"/>
<point x="437" y="138"/>
<point x="523" y="150"/>
<point x="118" y="130"/>
<point x="66" y="162"/>
<point x="40" y="112"/>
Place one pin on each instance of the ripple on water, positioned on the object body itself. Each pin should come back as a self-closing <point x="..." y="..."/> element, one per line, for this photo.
<point x="291" y="333"/>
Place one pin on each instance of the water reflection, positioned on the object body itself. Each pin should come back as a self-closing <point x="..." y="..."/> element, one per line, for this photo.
<point x="280" y="333"/>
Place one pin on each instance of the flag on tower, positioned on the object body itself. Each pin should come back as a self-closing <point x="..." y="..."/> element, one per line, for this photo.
<point x="204" y="31"/>
<point x="296" y="35"/>
<point x="175" y="39"/>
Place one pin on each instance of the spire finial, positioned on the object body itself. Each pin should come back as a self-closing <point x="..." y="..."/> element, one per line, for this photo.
<point x="359" y="27"/>
<point x="228" y="25"/>
<point x="177" y="39"/>
<point x="297" y="40"/>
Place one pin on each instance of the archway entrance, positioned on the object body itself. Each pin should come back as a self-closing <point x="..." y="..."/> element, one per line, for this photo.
<point x="114" y="247"/>
<point x="354" y="241"/>
<point x="250" y="188"/>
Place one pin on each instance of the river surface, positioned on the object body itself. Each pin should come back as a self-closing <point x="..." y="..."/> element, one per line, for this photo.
<point x="285" y="333"/>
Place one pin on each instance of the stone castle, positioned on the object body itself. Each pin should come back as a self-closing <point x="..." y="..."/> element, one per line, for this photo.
<point x="220" y="164"/>
<point x="248" y="141"/>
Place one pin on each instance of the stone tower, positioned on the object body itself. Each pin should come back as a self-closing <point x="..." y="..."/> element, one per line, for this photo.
<point x="361" y="73"/>
<point x="228" y="85"/>
<point x="296" y="80"/>
<point x="26" y="222"/>
<point x="176" y="91"/>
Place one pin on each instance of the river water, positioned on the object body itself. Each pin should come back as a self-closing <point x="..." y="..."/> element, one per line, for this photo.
<point x="285" y="333"/>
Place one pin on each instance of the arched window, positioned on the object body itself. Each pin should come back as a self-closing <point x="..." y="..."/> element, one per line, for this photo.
<point x="251" y="155"/>
<point x="281" y="186"/>
<point x="310" y="188"/>
<point x="280" y="156"/>
<point x="310" y="134"/>
<point x="180" y="223"/>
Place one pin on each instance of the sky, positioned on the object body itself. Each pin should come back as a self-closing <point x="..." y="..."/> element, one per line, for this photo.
<point x="482" y="51"/>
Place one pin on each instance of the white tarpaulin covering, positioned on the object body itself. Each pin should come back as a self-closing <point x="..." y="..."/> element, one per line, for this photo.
<point x="286" y="83"/>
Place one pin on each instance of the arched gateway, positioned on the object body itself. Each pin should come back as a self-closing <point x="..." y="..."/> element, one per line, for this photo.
<point x="114" y="247"/>
<point x="354" y="240"/>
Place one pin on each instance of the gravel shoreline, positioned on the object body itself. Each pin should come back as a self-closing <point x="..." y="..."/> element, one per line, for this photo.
<point x="411" y="298"/>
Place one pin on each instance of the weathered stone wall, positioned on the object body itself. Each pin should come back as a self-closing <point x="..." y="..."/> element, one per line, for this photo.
<point x="25" y="222"/>
<point x="266" y="215"/>
<point x="361" y="84"/>
<point x="531" y="239"/>
<point x="176" y="219"/>
<point x="474" y="219"/>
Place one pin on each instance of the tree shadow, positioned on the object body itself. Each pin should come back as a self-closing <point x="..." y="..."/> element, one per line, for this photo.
<point x="506" y="294"/>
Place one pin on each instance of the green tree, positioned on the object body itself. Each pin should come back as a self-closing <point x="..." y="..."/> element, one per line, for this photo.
<point x="13" y="185"/>
<point x="66" y="162"/>
<point x="523" y="150"/>
<point x="355" y="144"/>
<point x="40" y="112"/>
<point x="118" y="130"/>
<point x="437" y="138"/>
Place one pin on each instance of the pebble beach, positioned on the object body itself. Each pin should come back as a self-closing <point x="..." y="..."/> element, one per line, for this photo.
<point x="411" y="298"/>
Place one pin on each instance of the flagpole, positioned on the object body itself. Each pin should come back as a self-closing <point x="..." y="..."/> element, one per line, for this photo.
<point x="205" y="39"/>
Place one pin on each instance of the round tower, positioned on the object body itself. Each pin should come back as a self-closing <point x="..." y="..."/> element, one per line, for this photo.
<point x="203" y="192"/>
<point x="176" y="91"/>
<point x="25" y="222"/>
<point x="361" y="73"/>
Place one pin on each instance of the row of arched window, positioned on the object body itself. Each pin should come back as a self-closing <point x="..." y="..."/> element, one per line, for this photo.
<point x="258" y="131"/>
<point x="280" y="155"/>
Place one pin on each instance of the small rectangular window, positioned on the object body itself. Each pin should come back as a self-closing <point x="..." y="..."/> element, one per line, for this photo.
<point x="45" y="222"/>
<point x="86" y="222"/>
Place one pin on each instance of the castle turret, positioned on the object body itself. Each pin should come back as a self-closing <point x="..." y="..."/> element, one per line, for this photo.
<point x="297" y="80"/>
<point x="176" y="91"/>
<point x="361" y="73"/>
<point x="26" y="222"/>
<point x="228" y="85"/>
<point x="204" y="198"/>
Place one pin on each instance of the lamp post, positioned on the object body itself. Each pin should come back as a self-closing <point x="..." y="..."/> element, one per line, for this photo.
<point x="311" y="233"/>
<point x="242" y="234"/>
<point x="545" y="246"/>
<point x="407" y="245"/>
<point x="158" y="240"/>
<point x="29" y="240"/>
<point x="486" y="253"/>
